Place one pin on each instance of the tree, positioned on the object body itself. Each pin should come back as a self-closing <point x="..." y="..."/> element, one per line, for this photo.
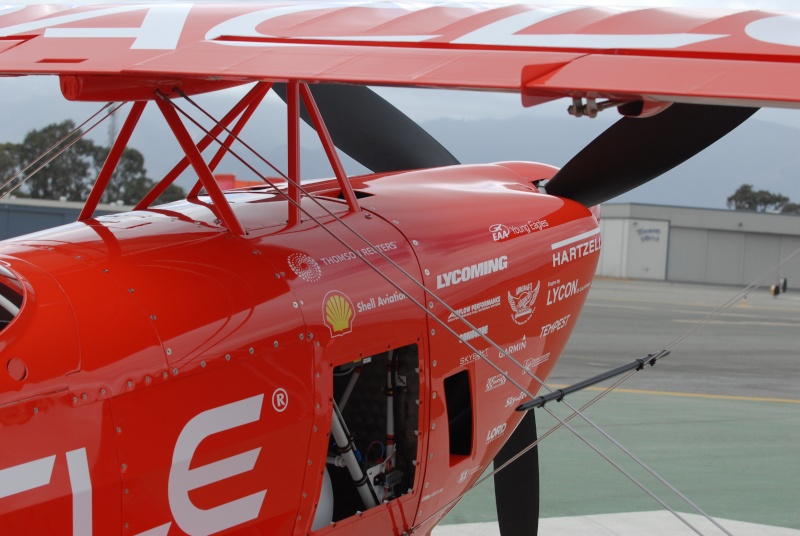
<point x="66" y="176"/>
<point x="745" y="198"/>
<point x="70" y="175"/>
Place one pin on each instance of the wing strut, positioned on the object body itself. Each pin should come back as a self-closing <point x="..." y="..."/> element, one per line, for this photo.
<point x="112" y="160"/>
<point x="253" y="98"/>
<point x="222" y="206"/>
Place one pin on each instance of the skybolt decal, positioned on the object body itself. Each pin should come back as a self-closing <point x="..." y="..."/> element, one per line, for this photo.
<point x="502" y="232"/>
<point x="522" y="302"/>
<point x="589" y="243"/>
<point x="561" y="323"/>
<point x="471" y="358"/>
<point x="473" y="271"/>
<point x="562" y="292"/>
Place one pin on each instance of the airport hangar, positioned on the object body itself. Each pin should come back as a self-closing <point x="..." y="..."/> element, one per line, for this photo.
<point x="690" y="245"/>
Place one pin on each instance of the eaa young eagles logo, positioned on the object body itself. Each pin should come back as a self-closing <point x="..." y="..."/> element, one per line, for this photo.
<point x="338" y="313"/>
<point x="522" y="302"/>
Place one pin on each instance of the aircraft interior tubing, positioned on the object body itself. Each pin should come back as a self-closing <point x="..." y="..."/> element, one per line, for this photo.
<point x="378" y="398"/>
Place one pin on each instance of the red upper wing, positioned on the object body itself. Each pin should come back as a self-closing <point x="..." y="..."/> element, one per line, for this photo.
<point x="675" y="55"/>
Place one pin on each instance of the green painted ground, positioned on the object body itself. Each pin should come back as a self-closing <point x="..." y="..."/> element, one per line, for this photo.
<point x="737" y="459"/>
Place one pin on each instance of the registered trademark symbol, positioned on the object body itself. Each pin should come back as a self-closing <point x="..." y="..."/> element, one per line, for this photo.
<point x="280" y="400"/>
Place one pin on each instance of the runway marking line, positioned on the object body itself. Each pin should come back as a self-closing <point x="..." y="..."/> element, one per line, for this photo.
<point x="691" y="395"/>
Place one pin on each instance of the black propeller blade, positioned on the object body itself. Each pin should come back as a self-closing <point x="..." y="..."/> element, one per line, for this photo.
<point x="373" y="132"/>
<point x="516" y="488"/>
<point x="635" y="150"/>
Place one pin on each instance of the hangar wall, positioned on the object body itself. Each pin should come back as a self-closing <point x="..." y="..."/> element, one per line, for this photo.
<point x="19" y="216"/>
<point x="696" y="245"/>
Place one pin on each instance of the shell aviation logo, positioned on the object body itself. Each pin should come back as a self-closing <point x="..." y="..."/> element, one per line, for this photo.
<point x="338" y="313"/>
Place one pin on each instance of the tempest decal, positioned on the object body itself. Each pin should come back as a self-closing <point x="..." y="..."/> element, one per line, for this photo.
<point x="561" y="323"/>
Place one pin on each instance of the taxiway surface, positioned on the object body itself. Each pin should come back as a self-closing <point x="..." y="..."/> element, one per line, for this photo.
<point x="719" y="418"/>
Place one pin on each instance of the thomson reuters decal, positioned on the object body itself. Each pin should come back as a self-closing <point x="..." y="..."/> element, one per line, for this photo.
<point x="338" y="313"/>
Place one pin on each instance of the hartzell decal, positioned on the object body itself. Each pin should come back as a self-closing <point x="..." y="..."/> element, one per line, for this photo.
<point x="473" y="271"/>
<point x="353" y="255"/>
<point x="479" y="307"/>
<point x="561" y="323"/>
<point x="387" y="299"/>
<point x="560" y="292"/>
<point x="585" y="244"/>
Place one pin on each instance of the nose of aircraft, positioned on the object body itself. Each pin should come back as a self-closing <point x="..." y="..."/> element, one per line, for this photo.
<point x="38" y="333"/>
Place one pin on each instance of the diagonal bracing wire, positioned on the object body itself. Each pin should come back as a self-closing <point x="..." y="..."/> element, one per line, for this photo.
<point x="439" y="321"/>
<point x="60" y="151"/>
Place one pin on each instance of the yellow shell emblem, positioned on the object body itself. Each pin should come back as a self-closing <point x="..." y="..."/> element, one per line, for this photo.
<point x="338" y="313"/>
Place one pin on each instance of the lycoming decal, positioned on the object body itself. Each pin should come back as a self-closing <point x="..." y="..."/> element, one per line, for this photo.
<point x="590" y="244"/>
<point x="472" y="271"/>
<point x="479" y="307"/>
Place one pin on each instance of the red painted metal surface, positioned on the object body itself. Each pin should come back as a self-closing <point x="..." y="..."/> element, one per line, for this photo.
<point x="173" y="370"/>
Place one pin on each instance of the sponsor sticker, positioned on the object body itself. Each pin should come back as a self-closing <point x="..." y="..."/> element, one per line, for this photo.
<point x="474" y="334"/>
<point x="305" y="267"/>
<point x="496" y="432"/>
<point x="501" y="232"/>
<point x="558" y="292"/>
<point x="475" y="308"/>
<point x="495" y="381"/>
<point x="522" y="302"/>
<point x="338" y="313"/>
<point x="559" y="324"/>
<point x="353" y="255"/>
<point x="376" y="303"/>
<point x="473" y="271"/>
<point x="515" y="400"/>
<point x="532" y="362"/>
<point x="471" y="358"/>
<point x="585" y="244"/>
<point x="514" y="348"/>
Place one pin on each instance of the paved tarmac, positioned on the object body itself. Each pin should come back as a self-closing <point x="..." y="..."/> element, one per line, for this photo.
<point x="719" y="418"/>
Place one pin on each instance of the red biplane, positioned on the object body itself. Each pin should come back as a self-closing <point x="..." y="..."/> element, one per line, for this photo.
<point x="347" y="356"/>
